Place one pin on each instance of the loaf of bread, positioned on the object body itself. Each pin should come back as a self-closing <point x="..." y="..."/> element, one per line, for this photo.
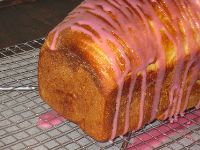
<point x="113" y="66"/>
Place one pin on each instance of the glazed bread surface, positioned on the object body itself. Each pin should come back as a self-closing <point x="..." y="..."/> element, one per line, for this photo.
<point x="113" y="66"/>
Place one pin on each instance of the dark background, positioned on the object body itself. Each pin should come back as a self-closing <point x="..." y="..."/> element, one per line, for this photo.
<point x="28" y="21"/>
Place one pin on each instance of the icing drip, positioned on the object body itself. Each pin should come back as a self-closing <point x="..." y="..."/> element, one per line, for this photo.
<point x="143" y="93"/>
<point x="194" y="77"/>
<point x="133" y="76"/>
<point x="188" y="35"/>
<point x="49" y="119"/>
<point x="119" y="93"/>
<point x="198" y="105"/>
<point x="160" y="63"/>
<point x="176" y="86"/>
<point x="186" y="16"/>
<point x="182" y="85"/>
<point x="134" y="28"/>
<point x="130" y="93"/>
<point x="166" y="131"/>
<point x="195" y="23"/>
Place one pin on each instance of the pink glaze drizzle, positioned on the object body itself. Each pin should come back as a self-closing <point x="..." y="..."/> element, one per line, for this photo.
<point x="194" y="77"/>
<point x="160" y="63"/>
<point x="198" y="104"/>
<point x="146" y="45"/>
<point x="143" y="94"/>
<point x="176" y="86"/>
<point x="131" y="88"/>
<point x="49" y="119"/>
<point x="164" y="132"/>
<point x="188" y="18"/>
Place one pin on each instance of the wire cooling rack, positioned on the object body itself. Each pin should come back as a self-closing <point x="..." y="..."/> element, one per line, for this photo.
<point x="21" y="110"/>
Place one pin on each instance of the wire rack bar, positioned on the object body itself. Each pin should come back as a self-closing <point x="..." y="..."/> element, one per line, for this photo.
<point x="21" y="108"/>
<point x="27" y="88"/>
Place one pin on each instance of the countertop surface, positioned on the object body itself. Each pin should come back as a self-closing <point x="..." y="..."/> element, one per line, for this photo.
<point x="30" y="21"/>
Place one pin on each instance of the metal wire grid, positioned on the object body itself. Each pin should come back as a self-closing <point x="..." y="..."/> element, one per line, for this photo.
<point x="19" y="113"/>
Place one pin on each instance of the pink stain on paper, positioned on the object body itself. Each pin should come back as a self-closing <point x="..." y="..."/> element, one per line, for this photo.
<point x="49" y="119"/>
<point x="146" y="141"/>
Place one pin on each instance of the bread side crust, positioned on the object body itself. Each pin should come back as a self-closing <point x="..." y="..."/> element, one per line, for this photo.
<point x="78" y="82"/>
<point x="68" y="84"/>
